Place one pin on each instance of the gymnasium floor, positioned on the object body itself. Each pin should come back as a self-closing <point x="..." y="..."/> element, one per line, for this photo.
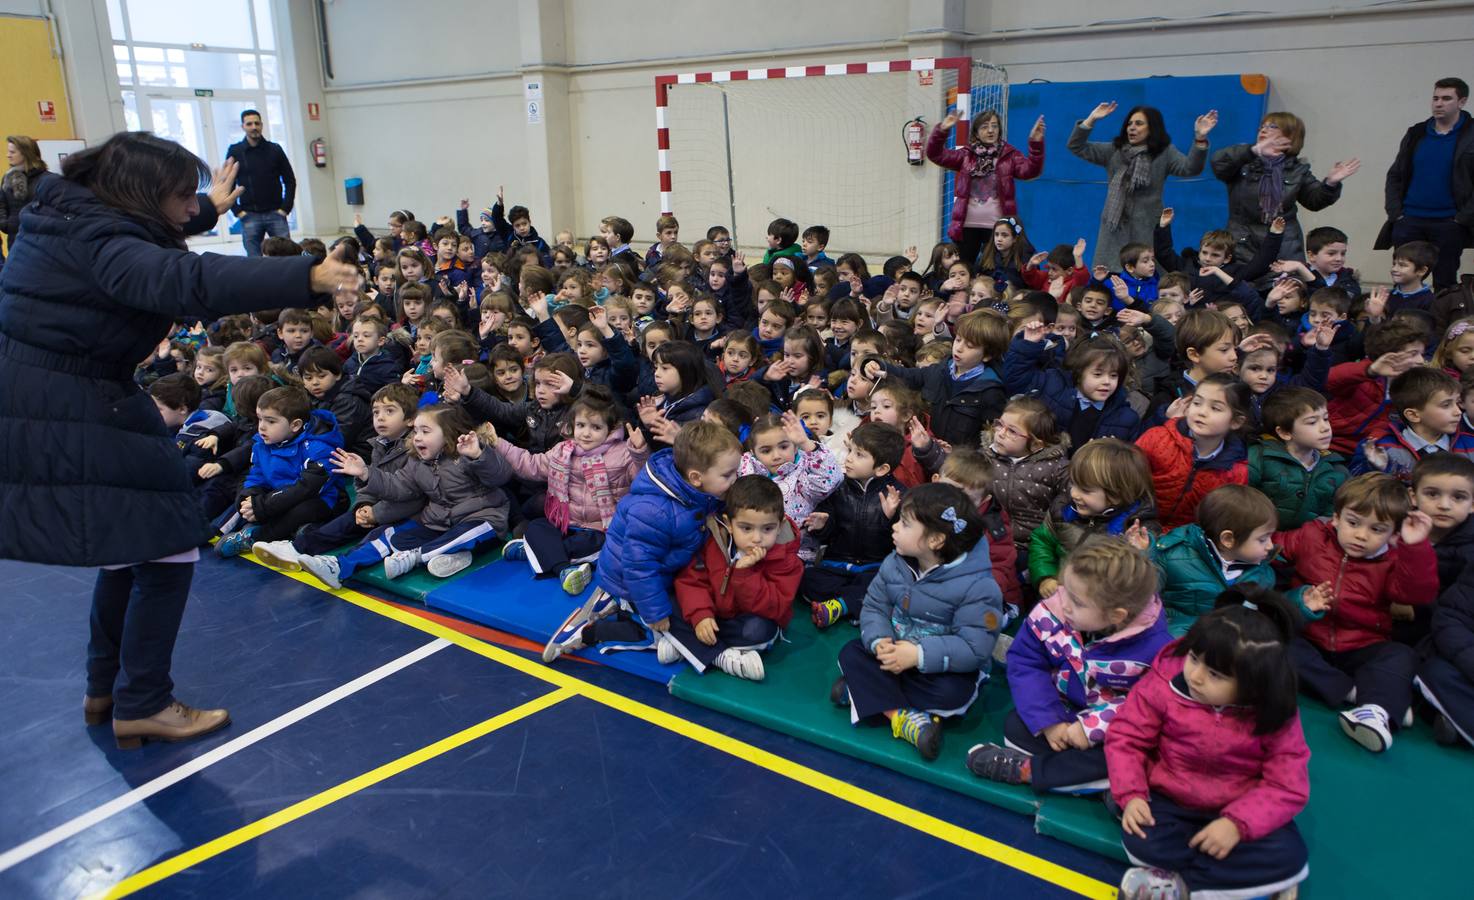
<point x="377" y="752"/>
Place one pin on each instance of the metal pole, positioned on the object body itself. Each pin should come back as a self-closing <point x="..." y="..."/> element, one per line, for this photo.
<point x="731" y="190"/>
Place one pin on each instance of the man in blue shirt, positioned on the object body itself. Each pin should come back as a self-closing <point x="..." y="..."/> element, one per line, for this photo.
<point x="1430" y="186"/>
<point x="267" y="182"/>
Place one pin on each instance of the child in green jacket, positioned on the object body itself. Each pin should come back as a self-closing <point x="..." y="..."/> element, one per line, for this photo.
<point x="1295" y="468"/>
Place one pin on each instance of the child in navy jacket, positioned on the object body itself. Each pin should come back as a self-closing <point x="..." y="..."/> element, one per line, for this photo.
<point x="1089" y="397"/>
<point x="1077" y="655"/>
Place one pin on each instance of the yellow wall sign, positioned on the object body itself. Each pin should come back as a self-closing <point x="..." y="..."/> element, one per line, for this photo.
<point x="34" y="101"/>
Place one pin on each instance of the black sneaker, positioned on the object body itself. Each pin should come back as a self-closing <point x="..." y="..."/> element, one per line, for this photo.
<point x="839" y="694"/>
<point x="1444" y="732"/>
<point x="997" y="763"/>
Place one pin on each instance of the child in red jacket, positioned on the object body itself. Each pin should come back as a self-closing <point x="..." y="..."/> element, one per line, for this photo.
<point x="1349" y="562"/>
<point x="1198" y="448"/>
<point x="1357" y="391"/>
<point x="738" y="591"/>
<point x="1207" y="760"/>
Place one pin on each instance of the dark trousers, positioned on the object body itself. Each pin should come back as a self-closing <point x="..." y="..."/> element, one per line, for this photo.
<point x="874" y="691"/>
<point x="307" y="512"/>
<point x="1448" y="689"/>
<point x="549" y="550"/>
<point x="1447" y="234"/>
<point x="337" y="532"/>
<point x="135" y="620"/>
<point x="1273" y="860"/>
<point x="1382" y="674"/>
<point x="1066" y="771"/>
<point x="432" y="542"/>
<point x="217" y="494"/>
<point x="744" y="632"/>
<point x="972" y="243"/>
<point x="823" y="582"/>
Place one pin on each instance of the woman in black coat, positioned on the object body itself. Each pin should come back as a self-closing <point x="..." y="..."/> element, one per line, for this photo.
<point x="1268" y="179"/>
<point x="89" y="476"/>
<point x="23" y="157"/>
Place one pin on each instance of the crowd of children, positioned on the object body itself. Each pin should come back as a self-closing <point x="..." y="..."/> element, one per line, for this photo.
<point x="1187" y="488"/>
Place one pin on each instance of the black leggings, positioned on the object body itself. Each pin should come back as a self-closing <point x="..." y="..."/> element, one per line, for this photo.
<point x="971" y="245"/>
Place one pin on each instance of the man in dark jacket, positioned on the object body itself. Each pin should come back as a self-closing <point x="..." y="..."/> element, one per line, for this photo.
<point x="1430" y="186"/>
<point x="268" y="185"/>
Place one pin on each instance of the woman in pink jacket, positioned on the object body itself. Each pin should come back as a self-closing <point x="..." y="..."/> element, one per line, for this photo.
<point x="586" y="475"/>
<point x="1207" y="760"/>
<point x="986" y="170"/>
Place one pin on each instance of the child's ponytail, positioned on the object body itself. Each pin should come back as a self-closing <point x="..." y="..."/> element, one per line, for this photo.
<point x="1247" y="637"/>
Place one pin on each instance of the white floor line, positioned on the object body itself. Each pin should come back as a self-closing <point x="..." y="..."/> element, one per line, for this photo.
<point x="19" y="854"/>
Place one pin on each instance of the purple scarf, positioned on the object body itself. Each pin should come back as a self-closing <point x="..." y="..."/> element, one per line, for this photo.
<point x="1271" y="188"/>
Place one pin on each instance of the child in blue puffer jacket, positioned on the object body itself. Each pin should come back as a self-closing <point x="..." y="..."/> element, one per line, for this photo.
<point x="1077" y="655"/>
<point x="657" y="529"/>
<point x="930" y="620"/>
<point x="289" y="484"/>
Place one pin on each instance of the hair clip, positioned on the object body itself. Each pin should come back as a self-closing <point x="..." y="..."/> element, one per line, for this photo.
<point x="1250" y="604"/>
<point x="743" y="432"/>
<point x="1015" y="224"/>
<point x="1457" y="329"/>
<point x="783" y="261"/>
<point x="950" y="515"/>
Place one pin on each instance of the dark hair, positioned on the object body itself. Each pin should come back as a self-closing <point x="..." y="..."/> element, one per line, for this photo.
<point x="1237" y="509"/>
<point x="1334" y="297"/>
<point x="818" y="233"/>
<point x="1063" y="255"/>
<point x="597" y="401"/>
<point x="290" y="401"/>
<point x="1157" y="138"/>
<point x="848" y="310"/>
<point x="273" y="245"/>
<point x="1017" y="255"/>
<point x="813" y="345"/>
<point x="622" y="228"/>
<point x="1103" y="349"/>
<point x="453" y="420"/>
<point x="1284" y="406"/>
<point x="134" y="171"/>
<point x="1422" y="254"/>
<point x="912" y="276"/>
<point x="1318" y="238"/>
<point x="1247" y="637"/>
<point x="176" y="391"/>
<point x="751" y="396"/>
<point x="399" y="394"/>
<point x="856" y="264"/>
<point x="1415" y="387"/>
<point x="1041" y="304"/>
<point x="785" y="230"/>
<point x="518" y="214"/>
<point x="1201" y="328"/>
<point x="733" y="415"/>
<point x="1131" y="253"/>
<point x="322" y="359"/>
<point x="700" y="444"/>
<point x="893" y="265"/>
<point x="249" y="112"/>
<point x="946" y="510"/>
<point x="755" y="492"/>
<point x="1433" y="466"/>
<point x="689" y="363"/>
<point x="1239" y="395"/>
<point x="885" y="444"/>
<point x="1394" y="334"/>
<point x="248" y="392"/>
<point x="293" y="317"/>
<point x="1460" y="86"/>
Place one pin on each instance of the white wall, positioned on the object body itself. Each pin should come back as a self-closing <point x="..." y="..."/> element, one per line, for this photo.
<point x="426" y="104"/>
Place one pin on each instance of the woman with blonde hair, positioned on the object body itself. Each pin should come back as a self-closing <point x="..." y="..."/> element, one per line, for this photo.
<point x="1268" y="180"/>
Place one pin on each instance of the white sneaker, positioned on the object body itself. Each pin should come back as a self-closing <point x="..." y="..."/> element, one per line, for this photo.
<point x="326" y="569"/>
<point x="1368" y="726"/>
<point x="665" y="651"/>
<point x="279" y="555"/>
<point x="449" y="564"/>
<point x="746" y="664"/>
<point x="401" y="562"/>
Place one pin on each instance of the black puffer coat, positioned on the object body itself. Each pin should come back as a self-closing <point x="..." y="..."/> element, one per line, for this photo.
<point x="89" y="475"/>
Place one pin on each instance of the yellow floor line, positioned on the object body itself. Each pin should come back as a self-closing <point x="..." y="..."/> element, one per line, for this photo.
<point x="997" y="851"/>
<point x="158" y="872"/>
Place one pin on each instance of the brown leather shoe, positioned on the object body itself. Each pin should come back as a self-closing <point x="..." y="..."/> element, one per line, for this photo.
<point x="96" y="710"/>
<point x="177" y="722"/>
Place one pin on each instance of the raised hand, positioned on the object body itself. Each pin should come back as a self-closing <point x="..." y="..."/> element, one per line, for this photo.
<point x="1120" y="288"/>
<point x="1178" y="408"/>
<point x="816" y="521"/>
<point x="454" y="381"/>
<point x="1034" y="331"/>
<point x="1318" y="597"/>
<point x="1138" y="537"/>
<point x="1271" y="147"/>
<point x="1037" y="132"/>
<point x="501" y="199"/>
<point x="1375" y="456"/>
<point x="1416" y="527"/>
<point x="1277" y="226"/>
<point x="1165" y="218"/>
<point x="222" y="191"/>
<point x="648" y="409"/>
<point x="739" y="262"/>
<point x="1133" y="317"/>
<point x="787" y="294"/>
<point x="920" y="437"/>
<point x="890" y="501"/>
<point x="1320" y="337"/>
<point x="778" y="371"/>
<point x="1376" y="305"/>
<point x="469" y="445"/>
<point x="911" y="254"/>
<point x="345" y="463"/>
<point x="665" y="430"/>
<point x="1342" y="171"/>
<point x="1204" y="124"/>
<point x="1253" y="343"/>
<point x="793" y="429"/>
<point x="1037" y="258"/>
<point x="1079" y="250"/>
<point x="950" y="121"/>
<point x="561" y="382"/>
<point x="599" y="318"/>
<point x="1100" y="112"/>
<point x="635" y="438"/>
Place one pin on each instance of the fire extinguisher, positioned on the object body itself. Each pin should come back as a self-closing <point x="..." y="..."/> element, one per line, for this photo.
<point x="913" y="136"/>
<point x="320" y="153"/>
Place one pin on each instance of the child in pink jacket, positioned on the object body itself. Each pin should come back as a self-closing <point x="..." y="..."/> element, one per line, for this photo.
<point x="586" y="475"/>
<point x="1207" y="760"/>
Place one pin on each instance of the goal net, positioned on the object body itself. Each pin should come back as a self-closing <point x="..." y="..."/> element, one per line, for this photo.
<point x="821" y="145"/>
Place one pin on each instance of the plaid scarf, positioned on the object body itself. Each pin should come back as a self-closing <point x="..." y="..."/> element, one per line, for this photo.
<point x="1134" y="174"/>
<point x="561" y="459"/>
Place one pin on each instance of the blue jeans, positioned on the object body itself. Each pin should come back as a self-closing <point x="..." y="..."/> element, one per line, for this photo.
<point x="257" y="225"/>
<point x="136" y="612"/>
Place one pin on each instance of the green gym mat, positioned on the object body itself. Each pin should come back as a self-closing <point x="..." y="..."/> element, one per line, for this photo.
<point x="1371" y="823"/>
<point x="794" y="700"/>
<point x="419" y="583"/>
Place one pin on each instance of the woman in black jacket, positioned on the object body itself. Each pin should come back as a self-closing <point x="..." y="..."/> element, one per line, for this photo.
<point x="1267" y="179"/>
<point x="23" y="156"/>
<point x="89" y="476"/>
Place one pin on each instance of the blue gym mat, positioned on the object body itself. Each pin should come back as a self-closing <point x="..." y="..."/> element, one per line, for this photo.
<point x="504" y="595"/>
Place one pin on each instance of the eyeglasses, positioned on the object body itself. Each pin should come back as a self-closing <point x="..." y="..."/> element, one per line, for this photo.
<point x="725" y="240"/>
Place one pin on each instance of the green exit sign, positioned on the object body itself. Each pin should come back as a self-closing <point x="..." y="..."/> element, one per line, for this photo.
<point x="203" y="92"/>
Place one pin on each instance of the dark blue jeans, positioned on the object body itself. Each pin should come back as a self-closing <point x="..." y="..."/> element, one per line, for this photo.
<point x="256" y="226"/>
<point x="135" y="620"/>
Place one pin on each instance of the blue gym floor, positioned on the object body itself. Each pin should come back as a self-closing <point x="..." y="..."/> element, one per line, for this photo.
<point x="448" y="766"/>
